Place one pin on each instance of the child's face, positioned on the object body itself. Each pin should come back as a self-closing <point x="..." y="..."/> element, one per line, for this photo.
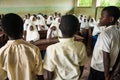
<point x="91" y="20"/>
<point x="31" y="28"/>
<point x="105" y="19"/>
<point x="53" y="28"/>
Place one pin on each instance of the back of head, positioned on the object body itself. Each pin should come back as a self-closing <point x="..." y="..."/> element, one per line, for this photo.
<point x="113" y="11"/>
<point x="12" y="25"/>
<point x="69" y="25"/>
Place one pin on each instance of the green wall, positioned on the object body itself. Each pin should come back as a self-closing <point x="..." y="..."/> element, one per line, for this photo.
<point x="23" y="7"/>
<point x="48" y="7"/>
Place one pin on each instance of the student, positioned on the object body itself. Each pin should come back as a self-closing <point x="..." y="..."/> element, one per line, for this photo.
<point x="54" y="31"/>
<point x="96" y="31"/>
<point x="65" y="59"/>
<point x="19" y="60"/>
<point x="41" y="23"/>
<point x="50" y="19"/>
<point x="107" y="46"/>
<point x="84" y="24"/>
<point x="32" y="33"/>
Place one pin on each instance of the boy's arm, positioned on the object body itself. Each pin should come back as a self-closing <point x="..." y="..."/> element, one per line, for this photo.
<point x="40" y="77"/>
<point x="48" y="75"/>
<point x="106" y="62"/>
<point x="81" y="69"/>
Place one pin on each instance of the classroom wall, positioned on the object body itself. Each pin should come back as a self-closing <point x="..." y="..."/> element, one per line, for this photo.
<point x="48" y="7"/>
<point x="88" y="11"/>
<point x="36" y="6"/>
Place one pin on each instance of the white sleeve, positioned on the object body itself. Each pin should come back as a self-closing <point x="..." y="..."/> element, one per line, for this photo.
<point x="105" y="42"/>
<point x="48" y="33"/>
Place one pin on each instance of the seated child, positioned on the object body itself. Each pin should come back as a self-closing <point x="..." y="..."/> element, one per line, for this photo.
<point x="3" y="38"/>
<point x="107" y="46"/>
<point x="54" y="31"/>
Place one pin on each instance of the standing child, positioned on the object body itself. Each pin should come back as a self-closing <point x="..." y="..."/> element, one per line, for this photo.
<point x="65" y="59"/>
<point x="107" y="46"/>
<point x="19" y="60"/>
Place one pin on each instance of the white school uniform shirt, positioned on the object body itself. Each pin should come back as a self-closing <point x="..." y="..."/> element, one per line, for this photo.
<point x="65" y="59"/>
<point x="20" y="60"/>
<point x="32" y="35"/>
<point x="108" y="41"/>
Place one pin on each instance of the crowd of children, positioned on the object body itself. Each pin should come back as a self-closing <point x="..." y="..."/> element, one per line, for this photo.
<point x="65" y="60"/>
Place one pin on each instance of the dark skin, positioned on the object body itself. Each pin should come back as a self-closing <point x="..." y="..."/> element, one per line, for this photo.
<point x="53" y="28"/>
<point x="48" y="75"/>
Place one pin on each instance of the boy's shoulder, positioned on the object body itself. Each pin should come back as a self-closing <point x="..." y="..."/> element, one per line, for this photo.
<point x="30" y="45"/>
<point x="56" y="45"/>
<point x="110" y="30"/>
<point x="20" y="42"/>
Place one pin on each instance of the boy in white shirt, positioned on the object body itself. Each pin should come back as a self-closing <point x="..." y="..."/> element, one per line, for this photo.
<point x="107" y="46"/>
<point x="19" y="60"/>
<point x="65" y="59"/>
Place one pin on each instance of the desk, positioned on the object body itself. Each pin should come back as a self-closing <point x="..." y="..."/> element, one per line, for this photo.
<point x="44" y="43"/>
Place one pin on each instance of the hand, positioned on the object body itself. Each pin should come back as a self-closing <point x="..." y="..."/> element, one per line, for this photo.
<point x="107" y="77"/>
<point x="31" y="41"/>
<point x="53" y="28"/>
<point x="42" y="27"/>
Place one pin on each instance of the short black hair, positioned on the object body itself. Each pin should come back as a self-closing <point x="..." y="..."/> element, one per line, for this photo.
<point x="113" y="11"/>
<point x="12" y="25"/>
<point x="69" y="25"/>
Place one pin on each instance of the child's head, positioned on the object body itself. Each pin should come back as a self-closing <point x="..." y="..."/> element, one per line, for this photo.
<point x="109" y="16"/>
<point x="53" y="28"/>
<point x="12" y="25"/>
<point x="69" y="25"/>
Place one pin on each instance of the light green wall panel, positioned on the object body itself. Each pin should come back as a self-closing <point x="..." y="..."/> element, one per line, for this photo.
<point x="23" y="7"/>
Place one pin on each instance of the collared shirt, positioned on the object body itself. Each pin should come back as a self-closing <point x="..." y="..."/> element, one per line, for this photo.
<point x="65" y="59"/>
<point x="108" y="41"/>
<point x="20" y="60"/>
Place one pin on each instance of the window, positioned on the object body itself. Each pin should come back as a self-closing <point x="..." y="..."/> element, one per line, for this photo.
<point x="84" y="3"/>
<point x="108" y="3"/>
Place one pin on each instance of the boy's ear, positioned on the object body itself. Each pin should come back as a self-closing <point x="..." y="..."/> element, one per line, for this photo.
<point x="111" y="19"/>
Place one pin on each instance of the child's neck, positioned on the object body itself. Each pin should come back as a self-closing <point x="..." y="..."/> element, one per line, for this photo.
<point x="64" y="36"/>
<point x="11" y="38"/>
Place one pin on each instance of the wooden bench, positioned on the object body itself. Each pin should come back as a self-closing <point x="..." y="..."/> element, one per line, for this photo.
<point x="43" y="34"/>
<point x="87" y="34"/>
<point x="44" y="43"/>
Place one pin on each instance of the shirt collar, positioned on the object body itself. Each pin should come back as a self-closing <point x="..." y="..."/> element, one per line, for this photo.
<point x="112" y="26"/>
<point x="66" y="39"/>
<point x="14" y="41"/>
